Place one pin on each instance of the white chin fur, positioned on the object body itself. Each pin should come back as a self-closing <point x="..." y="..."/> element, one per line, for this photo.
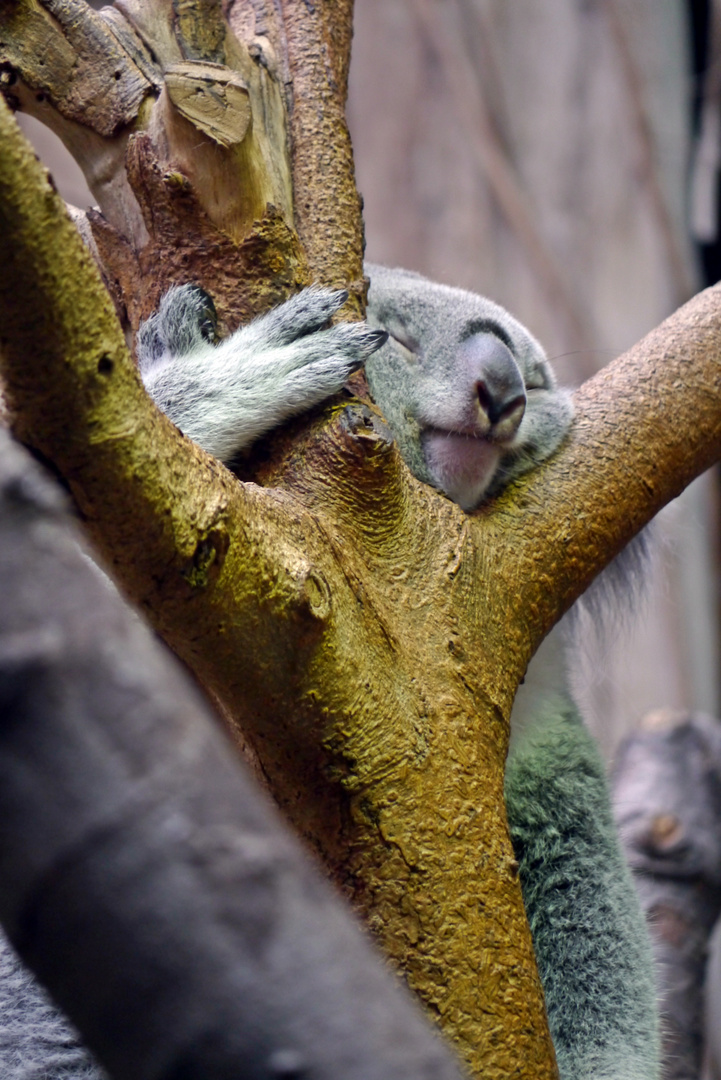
<point x="461" y="465"/>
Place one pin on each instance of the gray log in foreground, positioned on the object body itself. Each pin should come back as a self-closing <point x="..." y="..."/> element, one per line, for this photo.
<point x="145" y="879"/>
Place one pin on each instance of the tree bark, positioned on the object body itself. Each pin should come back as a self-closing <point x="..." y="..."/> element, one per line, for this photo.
<point x="366" y="635"/>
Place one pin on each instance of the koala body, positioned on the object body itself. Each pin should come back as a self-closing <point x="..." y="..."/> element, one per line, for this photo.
<point x="472" y="402"/>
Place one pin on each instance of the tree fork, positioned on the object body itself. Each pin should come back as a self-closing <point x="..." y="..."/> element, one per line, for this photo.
<point x="302" y="605"/>
<point x="245" y="585"/>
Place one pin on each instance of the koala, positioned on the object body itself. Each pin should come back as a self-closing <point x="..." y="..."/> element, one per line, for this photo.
<point x="473" y="404"/>
<point x="472" y="409"/>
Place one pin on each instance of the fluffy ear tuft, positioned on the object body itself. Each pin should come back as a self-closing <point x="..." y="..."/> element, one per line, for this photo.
<point x="187" y="319"/>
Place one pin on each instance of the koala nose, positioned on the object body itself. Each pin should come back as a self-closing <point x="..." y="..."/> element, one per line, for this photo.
<point x="498" y="383"/>
<point x="499" y="405"/>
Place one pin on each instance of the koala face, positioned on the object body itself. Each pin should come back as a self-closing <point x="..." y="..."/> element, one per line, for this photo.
<point x="467" y="391"/>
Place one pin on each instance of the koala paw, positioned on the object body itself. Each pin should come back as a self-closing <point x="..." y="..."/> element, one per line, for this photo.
<point x="225" y="396"/>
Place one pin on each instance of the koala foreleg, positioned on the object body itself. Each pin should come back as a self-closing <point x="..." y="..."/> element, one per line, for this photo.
<point x="225" y="396"/>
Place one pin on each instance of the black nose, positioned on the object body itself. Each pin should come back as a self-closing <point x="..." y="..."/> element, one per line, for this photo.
<point x="499" y="406"/>
<point x="497" y="379"/>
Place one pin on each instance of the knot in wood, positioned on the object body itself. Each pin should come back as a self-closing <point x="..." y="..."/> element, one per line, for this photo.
<point x="314" y="595"/>
<point x="207" y="559"/>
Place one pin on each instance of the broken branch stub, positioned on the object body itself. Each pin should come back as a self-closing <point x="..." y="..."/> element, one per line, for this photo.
<point x="95" y="78"/>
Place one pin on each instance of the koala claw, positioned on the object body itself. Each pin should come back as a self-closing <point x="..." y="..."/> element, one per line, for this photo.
<point x="302" y="314"/>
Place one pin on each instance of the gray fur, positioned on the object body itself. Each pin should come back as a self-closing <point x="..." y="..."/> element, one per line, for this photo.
<point x="587" y="927"/>
<point x="422" y="386"/>
<point x="36" y="1041"/>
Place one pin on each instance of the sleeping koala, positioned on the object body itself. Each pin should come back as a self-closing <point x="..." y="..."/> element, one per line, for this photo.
<point x="467" y="391"/>
<point x="472" y="402"/>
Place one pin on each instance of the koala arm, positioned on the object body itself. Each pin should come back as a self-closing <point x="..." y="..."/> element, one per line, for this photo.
<point x="225" y="396"/>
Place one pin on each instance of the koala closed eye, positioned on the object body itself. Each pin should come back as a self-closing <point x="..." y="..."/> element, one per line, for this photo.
<point x="409" y="354"/>
<point x="535" y="381"/>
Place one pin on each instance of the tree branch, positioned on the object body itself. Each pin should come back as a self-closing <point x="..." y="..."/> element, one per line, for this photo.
<point x="327" y="205"/>
<point x="279" y="602"/>
<point x="646" y="426"/>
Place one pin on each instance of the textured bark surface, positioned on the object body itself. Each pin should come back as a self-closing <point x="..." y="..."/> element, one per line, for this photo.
<point x="327" y="205"/>
<point x="245" y="277"/>
<point x="301" y="609"/>
<point x="365" y="634"/>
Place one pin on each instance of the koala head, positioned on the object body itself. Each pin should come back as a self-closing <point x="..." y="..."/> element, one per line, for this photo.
<point x="467" y="391"/>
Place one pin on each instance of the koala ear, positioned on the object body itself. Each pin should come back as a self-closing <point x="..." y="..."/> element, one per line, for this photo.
<point x="148" y="344"/>
<point x="185" y="318"/>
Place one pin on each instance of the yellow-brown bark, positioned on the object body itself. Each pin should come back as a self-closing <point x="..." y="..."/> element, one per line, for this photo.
<point x="280" y="600"/>
<point x="327" y="205"/>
